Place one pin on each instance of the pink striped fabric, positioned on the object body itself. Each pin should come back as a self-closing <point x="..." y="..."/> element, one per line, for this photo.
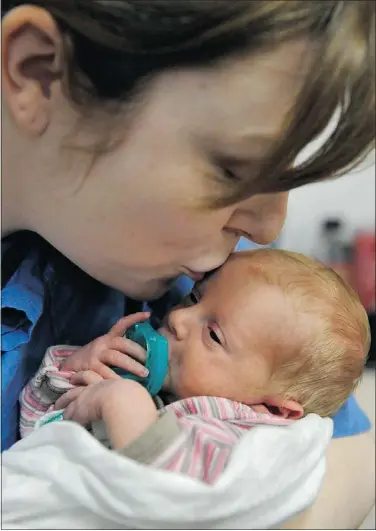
<point x="210" y="427"/>
<point x="48" y="384"/>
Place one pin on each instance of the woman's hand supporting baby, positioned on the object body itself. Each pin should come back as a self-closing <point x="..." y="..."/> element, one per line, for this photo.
<point x="111" y="350"/>
<point x="124" y="406"/>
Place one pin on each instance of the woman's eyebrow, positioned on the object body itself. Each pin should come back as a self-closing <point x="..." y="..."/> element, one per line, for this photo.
<point x="240" y="160"/>
<point x="245" y="148"/>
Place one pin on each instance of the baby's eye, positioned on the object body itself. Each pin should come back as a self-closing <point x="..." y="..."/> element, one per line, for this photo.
<point x="213" y="336"/>
<point x="193" y="296"/>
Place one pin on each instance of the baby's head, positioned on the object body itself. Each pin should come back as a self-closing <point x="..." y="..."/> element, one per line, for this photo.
<point x="270" y="327"/>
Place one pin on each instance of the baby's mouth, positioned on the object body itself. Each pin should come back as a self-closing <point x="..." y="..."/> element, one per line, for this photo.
<point x="162" y="328"/>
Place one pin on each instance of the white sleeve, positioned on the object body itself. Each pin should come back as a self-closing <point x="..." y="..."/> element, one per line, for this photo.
<point x="62" y="478"/>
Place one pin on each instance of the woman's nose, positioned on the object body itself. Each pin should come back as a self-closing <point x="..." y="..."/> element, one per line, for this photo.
<point x="261" y="217"/>
<point x="180" y="322"/>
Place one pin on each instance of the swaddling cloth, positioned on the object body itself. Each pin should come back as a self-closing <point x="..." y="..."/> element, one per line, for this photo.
<point x="60" y="477"/>
<point x="194" y="436"/>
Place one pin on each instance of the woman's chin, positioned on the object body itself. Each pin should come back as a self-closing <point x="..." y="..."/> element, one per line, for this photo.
<point x="149" y="291"/>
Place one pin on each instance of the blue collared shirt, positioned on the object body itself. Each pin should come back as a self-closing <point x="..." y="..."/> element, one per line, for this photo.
<point x="48" y="301"/>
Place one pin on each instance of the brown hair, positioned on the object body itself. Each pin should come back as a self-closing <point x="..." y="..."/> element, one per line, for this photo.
<point x="331" y="354"/>
<point x="113" y="48"/>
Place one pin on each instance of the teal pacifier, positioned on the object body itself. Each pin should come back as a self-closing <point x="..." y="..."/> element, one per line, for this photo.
<point x="156" y="347"/>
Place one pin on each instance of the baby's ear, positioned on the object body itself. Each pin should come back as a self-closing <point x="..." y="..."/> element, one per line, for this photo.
<point x="284" y="407"/>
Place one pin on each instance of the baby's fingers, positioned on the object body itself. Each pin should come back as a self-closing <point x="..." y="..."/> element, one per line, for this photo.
<point x="85" y="378"/>
<point x="126" y="346"/>
<point x="104" y="372"/>
<point x="119" y="328"/>
<point x="68" y="397"/>
<point x="115" y="358"/>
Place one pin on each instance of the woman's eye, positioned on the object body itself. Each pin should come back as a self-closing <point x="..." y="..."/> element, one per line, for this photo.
<point x="229" y="175"/>
<point x="214" y="336"/>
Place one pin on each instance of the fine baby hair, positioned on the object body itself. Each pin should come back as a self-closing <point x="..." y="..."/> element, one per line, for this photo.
<point x="333" y="324"/>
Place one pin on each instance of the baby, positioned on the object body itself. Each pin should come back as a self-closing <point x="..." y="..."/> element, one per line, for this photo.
<point x="267" y="339"/>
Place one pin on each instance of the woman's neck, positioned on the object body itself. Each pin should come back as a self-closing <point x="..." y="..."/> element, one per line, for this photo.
<point x="17" y="177"/>
<point x="12" y="217"/>
<point x="11" y="220"/>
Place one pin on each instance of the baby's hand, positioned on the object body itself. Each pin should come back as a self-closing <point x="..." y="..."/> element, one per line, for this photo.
<point x="84" y="403"/>
<point x="125" y="406"/>
<point x="111" y="350"/>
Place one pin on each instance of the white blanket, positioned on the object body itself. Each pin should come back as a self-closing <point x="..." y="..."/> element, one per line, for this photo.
<point x="60" y="477"/>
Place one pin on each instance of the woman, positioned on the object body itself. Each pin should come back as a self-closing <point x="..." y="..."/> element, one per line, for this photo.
<point x="142" y="139"/>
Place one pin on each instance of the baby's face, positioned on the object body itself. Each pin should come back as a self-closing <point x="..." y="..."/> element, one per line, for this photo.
<point x="225" y="338"/>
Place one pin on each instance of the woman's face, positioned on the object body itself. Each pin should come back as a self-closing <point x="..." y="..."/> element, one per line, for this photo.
<point x="133" y="222"/>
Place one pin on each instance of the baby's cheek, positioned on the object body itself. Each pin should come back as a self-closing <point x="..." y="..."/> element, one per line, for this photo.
<point x="212" y="377"/>
<point x="193" y="379"/>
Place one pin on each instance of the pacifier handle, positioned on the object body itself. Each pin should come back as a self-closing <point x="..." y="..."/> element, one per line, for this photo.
<point x="156" y="347"/>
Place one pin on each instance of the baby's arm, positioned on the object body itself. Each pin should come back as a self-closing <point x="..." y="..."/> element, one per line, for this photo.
<point x="188" y="437"/>
<point x="194" y="436"/>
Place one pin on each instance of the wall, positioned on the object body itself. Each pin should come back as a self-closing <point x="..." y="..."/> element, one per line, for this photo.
<point x="351" y="197"/>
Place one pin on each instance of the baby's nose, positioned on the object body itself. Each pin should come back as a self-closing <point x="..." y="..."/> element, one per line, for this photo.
<point x="180" y="322"/>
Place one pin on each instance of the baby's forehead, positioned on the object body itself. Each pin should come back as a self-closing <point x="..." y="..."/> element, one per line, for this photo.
<point x="244" y="264"/>
<point x="275" y="266"/>
<point x="235" y="274"/>
<point x="266" y="258"/>
<point x="283" y="273"/>
<point x="238" y="282"/>
<point x="257" y="310"/>
<point x="261" y="278"/>
<point x="224" y="275"/>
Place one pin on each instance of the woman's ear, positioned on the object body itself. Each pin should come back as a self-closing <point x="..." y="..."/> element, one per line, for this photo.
<point x="284" y="408"/>
<point x="31" y="62"/>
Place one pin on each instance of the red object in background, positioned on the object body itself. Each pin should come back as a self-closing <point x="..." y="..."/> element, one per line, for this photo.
<point x="364" y="274"/>
<point x="344" y="271"/>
